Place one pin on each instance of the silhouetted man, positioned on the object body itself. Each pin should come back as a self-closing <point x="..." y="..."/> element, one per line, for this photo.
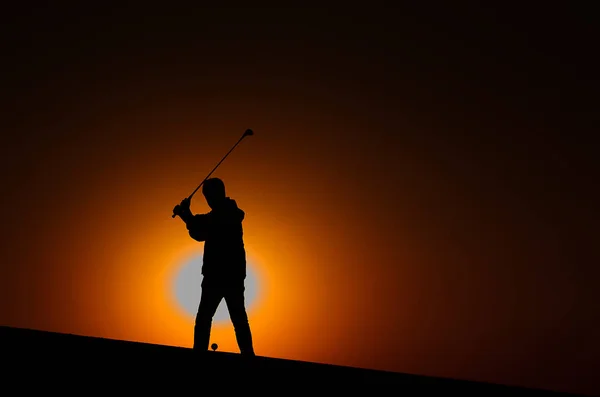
<point x="224" y="263"/>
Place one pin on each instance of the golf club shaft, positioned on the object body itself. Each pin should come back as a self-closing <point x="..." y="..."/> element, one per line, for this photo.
<point x="247" y="133"/>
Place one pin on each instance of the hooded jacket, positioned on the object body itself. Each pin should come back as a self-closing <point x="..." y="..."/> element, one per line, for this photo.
<point x="222" y="233"/>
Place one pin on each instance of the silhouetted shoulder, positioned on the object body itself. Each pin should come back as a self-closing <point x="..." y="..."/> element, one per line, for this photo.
<point x="231" y="211"/>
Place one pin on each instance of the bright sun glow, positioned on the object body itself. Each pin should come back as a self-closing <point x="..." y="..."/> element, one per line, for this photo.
<point x="187" y="289"/>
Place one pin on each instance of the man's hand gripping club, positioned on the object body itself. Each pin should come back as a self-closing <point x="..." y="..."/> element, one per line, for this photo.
<point x="183" y="210"/>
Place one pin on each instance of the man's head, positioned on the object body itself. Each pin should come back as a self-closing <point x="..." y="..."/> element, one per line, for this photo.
<point x="214" y="191"/>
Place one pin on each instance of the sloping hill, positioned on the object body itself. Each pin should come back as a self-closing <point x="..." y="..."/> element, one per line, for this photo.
<point x="42" y="362"/>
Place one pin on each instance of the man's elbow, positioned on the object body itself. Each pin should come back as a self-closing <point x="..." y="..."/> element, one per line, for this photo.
<point x="197" y="235"/>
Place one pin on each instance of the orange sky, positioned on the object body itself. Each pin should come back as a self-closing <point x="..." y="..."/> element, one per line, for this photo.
<point x="390" y="225"/>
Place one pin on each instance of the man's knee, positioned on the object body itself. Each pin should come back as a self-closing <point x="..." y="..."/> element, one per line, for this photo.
<point x="239" y="318"/>
<point x="203" y="318"/>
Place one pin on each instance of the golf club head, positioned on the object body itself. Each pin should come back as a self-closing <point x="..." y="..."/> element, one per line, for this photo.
<point x="248" y="132"/>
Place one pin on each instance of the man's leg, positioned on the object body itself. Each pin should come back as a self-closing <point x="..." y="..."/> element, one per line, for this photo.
<point x="209" y="302"/>
<point x="234" y="298"/>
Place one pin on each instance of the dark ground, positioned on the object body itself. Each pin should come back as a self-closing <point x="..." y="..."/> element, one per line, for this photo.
<point x="39" y="361"/>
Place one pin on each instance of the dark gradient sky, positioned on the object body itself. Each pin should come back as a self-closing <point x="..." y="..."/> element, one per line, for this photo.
<point x="421" y="191"/>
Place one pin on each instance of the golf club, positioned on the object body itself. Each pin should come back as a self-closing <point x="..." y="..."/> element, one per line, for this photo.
<point x="248" y="132"/>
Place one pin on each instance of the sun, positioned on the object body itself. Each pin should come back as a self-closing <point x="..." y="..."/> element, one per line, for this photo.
<point x="186" y="288"/>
